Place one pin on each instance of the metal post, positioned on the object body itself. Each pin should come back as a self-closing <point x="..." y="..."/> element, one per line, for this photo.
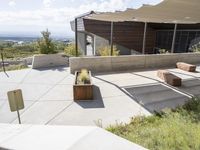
<point x="93" y="45"/>
<point x="174" y="38"/>
<point x="18" y="115"/>
<point x="76" y="37"/>
<point x="111" y="38"/>
<point x="3" y="62"/>
<point x="144" y="38"/>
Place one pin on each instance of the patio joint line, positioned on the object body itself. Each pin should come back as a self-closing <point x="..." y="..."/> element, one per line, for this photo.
<point x="59" y="113"/>
<point x="40" y="97"/>
<point x="125" y="92"/>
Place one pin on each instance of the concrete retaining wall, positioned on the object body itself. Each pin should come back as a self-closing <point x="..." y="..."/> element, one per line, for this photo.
<point x="131" y="62"/>
<point x="50" y="60"/>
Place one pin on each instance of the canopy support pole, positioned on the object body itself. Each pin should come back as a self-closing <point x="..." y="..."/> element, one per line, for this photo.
<point x="76" y="36"/>
<point x="111" y="38"/>
<point x="174" y="38"/>
<point x="144" y="38"/>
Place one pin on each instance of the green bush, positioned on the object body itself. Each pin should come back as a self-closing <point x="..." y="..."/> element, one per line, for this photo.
<point x="177" y="129"/>
<point x="163" y="51"/>
<point x="106" y="51"/>
<point x="14" y="67"/>
<point x="45" y="44"/>
<point x="70" y="50"/>
<point x="13" y="53"/>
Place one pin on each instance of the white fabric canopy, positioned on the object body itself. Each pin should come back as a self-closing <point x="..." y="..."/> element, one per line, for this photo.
<point x="168" y="11"/>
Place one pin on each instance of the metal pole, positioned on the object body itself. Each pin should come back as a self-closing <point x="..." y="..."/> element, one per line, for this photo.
<point x="111" y="38"/>
<point x="3" y="62"/>
<point x="144" y="38"/>
<point x="76" y="37"/>
<point x="18" y="115"/>
<point x="174" y="38"/>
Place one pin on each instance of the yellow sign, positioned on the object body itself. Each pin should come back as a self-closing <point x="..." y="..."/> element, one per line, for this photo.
<point x="15" y="99"/>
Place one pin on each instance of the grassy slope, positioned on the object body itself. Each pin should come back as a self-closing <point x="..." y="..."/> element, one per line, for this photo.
<point x="175" y="130"/>
<point x="14" y="67"/>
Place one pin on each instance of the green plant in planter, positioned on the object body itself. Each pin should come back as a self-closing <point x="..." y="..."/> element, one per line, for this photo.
<point x="83" y="77"/>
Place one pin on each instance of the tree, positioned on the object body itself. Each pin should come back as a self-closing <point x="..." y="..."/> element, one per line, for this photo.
<point x="45" y="44"/>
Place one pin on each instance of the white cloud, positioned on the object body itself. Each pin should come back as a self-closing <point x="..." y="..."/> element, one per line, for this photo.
<point x="48" y="3"/>
<point x="12" y="3"/>
<point x="59" y="17"/>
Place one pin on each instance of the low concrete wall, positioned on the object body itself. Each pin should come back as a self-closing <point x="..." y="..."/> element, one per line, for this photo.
<point x="131" y="62"/>
<point x="50" y="60"/>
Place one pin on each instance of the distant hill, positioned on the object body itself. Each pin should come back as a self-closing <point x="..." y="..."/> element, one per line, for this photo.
<point x="30" y="39"/>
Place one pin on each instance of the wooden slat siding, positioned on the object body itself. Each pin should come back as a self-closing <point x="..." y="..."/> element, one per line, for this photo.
<point x="127" y="34"/>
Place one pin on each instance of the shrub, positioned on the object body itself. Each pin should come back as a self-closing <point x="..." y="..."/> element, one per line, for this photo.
<point x="14" y="67"/>
<point x="172" y="129"/>
<point x="45" y="44"/>
<point x="106" y="51"/>
<point x="163" y="51"/>
<point x="70" y="50"/>
<point x="83" y="77"/>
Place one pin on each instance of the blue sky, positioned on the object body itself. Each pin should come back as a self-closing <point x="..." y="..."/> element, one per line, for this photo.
<point x="29" y="17"/>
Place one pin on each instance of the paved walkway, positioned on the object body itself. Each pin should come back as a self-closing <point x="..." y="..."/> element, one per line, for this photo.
<point x="48" y="96"/>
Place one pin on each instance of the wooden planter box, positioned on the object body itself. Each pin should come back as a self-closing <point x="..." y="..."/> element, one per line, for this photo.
<point x="83" y="92"/>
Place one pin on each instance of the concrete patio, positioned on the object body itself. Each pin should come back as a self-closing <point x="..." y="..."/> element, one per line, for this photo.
<point x="48" y="96"/>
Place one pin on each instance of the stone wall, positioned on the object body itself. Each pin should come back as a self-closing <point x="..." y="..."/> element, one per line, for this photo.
<point x="131" y="62"/>
<point x="50" y="60"/>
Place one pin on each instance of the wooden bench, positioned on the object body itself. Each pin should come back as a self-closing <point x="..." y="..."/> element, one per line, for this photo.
<point x="169" y="78"/>
<point x="186" y="67"/>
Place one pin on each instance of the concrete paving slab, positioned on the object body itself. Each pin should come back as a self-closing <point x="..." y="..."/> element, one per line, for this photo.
<point x="6" y="116"/>
<point x="59" y="92"/>
<point x="191" y="86"/>
<point x="157" y="97"/>
<point x="43" y="111"/>
<point x="166" y="104"/>
<point x="182" y="74"/>
<point x="116" y="110"/>
<point x="34" y="91"/>
<point x="4" y="88"/>
<point x="52" y="92"/>
<point x="148" y="74"/>
<point x="133" y="82"/>
<point x="13" y="76"/>
<point x="107" y="90"/>
<point x="116" y="76"/>
<point x="46" y="76"/>
<point x="68" y="80"/>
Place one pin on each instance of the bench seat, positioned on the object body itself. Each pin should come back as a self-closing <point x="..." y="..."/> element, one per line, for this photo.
<point x="169" y="78"/>
<point x="186" y="67"/>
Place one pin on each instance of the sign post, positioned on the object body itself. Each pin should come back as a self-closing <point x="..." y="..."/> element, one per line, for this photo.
<point x="16" y="102"/>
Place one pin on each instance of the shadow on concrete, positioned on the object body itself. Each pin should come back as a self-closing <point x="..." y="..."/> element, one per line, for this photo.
<point x="156" y="97"/>
<point x="162" y="82"/>
<point x="96" y="103"/>
<point x="58" y="68"/>
<point x="191" y="86"/>
<point x="121" y="89"/>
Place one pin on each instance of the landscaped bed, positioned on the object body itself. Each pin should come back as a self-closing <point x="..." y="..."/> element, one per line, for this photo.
<point x="177" y="129"/>
<point x="14" y="67"/>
